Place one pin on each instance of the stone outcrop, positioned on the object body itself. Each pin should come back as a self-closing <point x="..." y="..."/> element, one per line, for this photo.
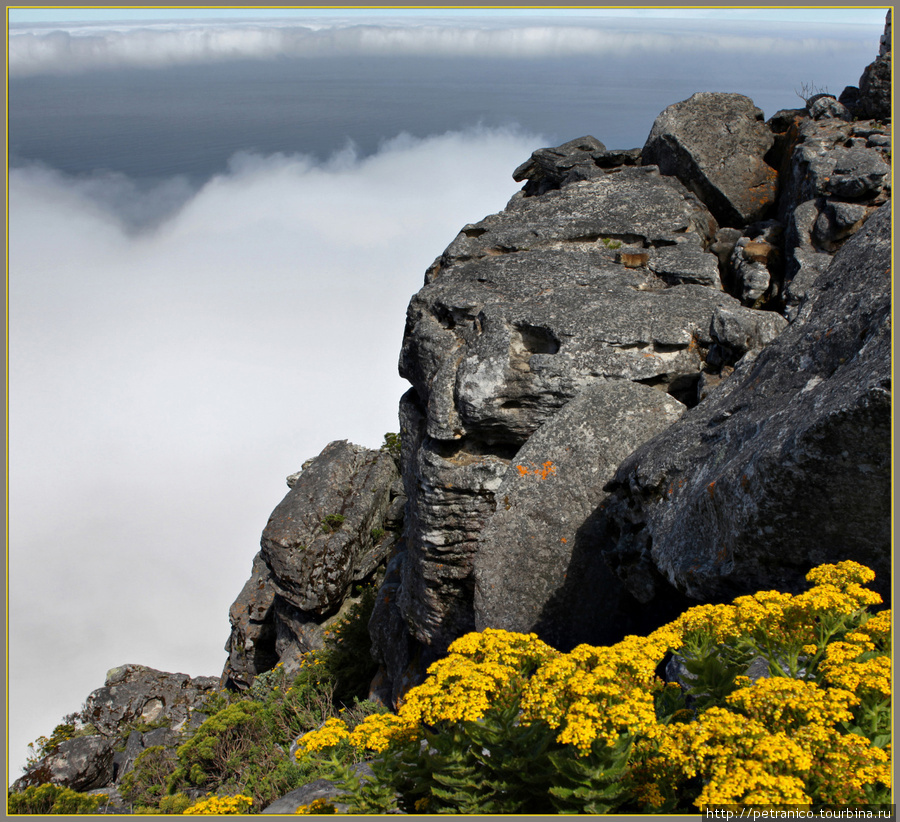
<point x="839" y="175"/>
<point x="319" y="539"/>
<point x="138" y="694"/>
<point x="874" y="98"/>
<point x="786" y="466"/>
<point x="326" y="534"/>
<point x="716" y="145"/>
<point x="581" y="159"/>
<point x="107" y="740"/>
<point x="609" y="301"/>
<point x="580" y="311"/>
<point x="82" y="764"/>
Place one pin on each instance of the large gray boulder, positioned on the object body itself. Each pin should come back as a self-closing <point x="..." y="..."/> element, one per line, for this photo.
<point x="530" y="570"/>
<point x="325" y="535"/>
<point x="605" y="286"/>
<point x="318" y="540"/>
<point x="142" y="695"/>
<point x="82" y="763"/>
<point x="715" y="143"/>
<point x="787" y="465"/>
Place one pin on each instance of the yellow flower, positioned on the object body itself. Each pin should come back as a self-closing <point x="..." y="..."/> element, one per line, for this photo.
<point x="332" y="733"/>
<point x="317" y="806"/>
<point x="780" y="702"/>
<point x="218" y="805"/>
<point x="840" y="574"/>
<point x="377" y="731"/>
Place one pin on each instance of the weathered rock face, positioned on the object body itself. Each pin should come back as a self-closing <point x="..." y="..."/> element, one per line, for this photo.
<point x="839" y="175"/>
<point x="787" y="465"/>
<point x="81" y="764"/>
<point x="251" y="644"/>
<point x="875" y="84"/>
<point x="530" y="305"/>
<point x="552" y="339"/>
<point x="327" y="533"/>
<point x="542" y="532"/>
<point x="318" y="540"/>
<point x="716" y="144"/>
<point x="107" y="743"/>
<point x="548" y="342"/>
<point x="135" y="693"/>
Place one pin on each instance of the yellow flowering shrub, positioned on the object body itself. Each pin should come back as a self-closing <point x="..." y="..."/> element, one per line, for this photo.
<point x="506" y="723"/>
<point x="597" y="693"/>
<point x="479" y="670"/>
<point x="316" y="807"/>
<point x="332" y="733"/>
<point x="221" y="805"/>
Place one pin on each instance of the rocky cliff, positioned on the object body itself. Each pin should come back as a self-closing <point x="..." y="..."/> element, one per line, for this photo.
<point x="660" y="376"/>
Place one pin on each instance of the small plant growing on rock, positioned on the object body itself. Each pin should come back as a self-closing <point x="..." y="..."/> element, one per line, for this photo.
<point x="391" y="445"/>
<point x="332" y="522"/>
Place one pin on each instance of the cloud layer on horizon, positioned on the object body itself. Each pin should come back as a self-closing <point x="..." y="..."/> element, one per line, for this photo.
<point x="36" y="50"/>
<point x="174" y="354"/>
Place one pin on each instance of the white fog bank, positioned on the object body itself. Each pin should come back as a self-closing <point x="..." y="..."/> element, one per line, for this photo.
<point x="164" y="382"/>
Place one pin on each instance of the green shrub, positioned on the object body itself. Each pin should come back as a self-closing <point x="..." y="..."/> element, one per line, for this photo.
<point x="175" y="803"/>
<point x="347" y="656"/>
<point x="332" y="522"/>
<point x="391" y="445"/>
<point x="51" y="799"/>
<point x="145" y="784"/>
<point x="243" y="748"/>
<point x="221" y="747"/>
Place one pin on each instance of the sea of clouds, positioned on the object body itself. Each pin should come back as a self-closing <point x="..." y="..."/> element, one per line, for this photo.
<point x="174" y="355"/>
<point x="41" y="50"/>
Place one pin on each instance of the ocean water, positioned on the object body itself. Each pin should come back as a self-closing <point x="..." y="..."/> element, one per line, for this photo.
<point x="190" y="120"/>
